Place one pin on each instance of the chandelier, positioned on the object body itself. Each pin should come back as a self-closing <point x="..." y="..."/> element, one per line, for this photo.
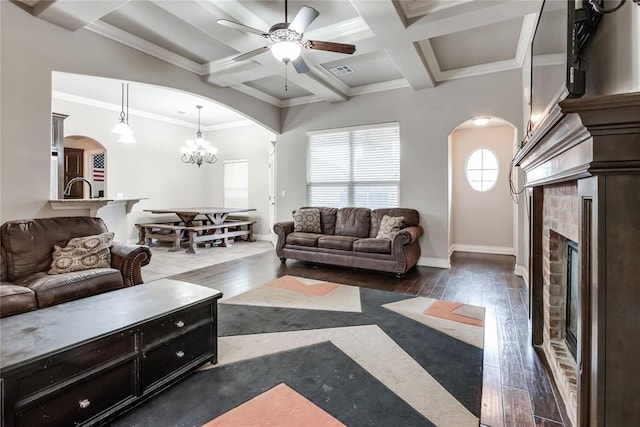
<point x="122" y="127"/>
<point x="199" y="150"/>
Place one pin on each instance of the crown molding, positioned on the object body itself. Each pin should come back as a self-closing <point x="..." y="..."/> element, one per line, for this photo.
<point x="63" y="96"/>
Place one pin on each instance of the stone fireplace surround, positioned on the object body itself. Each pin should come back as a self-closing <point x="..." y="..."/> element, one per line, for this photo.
<point x="582" y="168"/>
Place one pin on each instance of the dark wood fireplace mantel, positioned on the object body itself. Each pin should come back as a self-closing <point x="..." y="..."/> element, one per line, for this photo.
<point x="595" y="141"/>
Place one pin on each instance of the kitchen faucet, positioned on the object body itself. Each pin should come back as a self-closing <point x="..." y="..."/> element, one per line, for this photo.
<point x="72" y="181"/>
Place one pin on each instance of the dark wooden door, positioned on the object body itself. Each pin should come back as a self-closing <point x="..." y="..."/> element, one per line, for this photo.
<point x="74" y="167"/>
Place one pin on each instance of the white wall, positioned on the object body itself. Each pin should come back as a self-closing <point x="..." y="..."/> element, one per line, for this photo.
<point x="31" y="50"/>
<point x="614" y="53"/>
<point x="482" y="221"/>
<point x="426" y="119"/>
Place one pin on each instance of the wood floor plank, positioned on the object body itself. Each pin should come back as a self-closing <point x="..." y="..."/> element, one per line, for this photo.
<point x="492" y="413"/>
<point x="517" y="409"/>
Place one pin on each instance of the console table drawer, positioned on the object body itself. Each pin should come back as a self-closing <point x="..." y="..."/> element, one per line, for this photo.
<point x="176" y="354"/>
<point x="176" y="323"/>
<point x="82" y="401"/>
<point x="63" y="366"/>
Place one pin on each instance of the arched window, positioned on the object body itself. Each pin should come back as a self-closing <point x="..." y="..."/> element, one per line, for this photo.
<point x="482" y="169"/>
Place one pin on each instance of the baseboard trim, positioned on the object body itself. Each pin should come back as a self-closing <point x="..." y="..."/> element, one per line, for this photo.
<point x="495" y="250"/>
<point x="434" y="262"/>
<point x="521" y="271"/>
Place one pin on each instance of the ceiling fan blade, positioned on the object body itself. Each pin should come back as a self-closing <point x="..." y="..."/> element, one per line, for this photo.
<point x="241" y="27"/>
<point x="330" y="46"/>
<point x="251" y="53"/>
<point x="300" y="66"/>
<point x="306" y="15"/>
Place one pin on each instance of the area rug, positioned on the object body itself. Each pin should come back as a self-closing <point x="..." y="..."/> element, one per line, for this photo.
<point x="302" y="352"/>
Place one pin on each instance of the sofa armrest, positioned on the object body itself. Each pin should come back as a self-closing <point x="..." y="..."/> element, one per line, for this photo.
<point x="282" y="229"/>
<point x="130" y="259"/>
<point x="407" y="235"/>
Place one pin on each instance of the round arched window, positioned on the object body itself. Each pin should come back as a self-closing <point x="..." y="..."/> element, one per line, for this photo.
<point x="482" y="169"/>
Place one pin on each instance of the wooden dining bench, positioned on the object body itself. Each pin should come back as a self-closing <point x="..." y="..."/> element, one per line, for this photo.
<point x="164" y="232"/>
<point x="224" y="232"/>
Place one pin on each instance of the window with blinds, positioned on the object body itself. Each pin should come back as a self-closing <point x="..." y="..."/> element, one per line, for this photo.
<point x="236" y="184"/>
<point x="357" y="166"/>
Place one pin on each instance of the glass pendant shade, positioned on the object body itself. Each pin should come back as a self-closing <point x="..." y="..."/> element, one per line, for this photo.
<point x="121" y="128"/>
<point x="127" y="138"/>
<point x="286" y="51"/>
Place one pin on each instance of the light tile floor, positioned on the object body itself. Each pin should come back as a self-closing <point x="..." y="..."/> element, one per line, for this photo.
<point x="164" y="263"/>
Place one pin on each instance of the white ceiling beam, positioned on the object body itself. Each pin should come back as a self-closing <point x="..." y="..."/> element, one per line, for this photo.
<point x="74" y="15"/>
<point x="390" y="34"/>
<point x="128" y="39"/>
<point x="469" y="15"/>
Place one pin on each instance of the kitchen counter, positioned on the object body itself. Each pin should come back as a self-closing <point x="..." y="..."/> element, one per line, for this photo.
<point x="93" y="205"/>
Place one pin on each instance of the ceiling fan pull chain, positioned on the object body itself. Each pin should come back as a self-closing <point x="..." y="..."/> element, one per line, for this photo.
<point x="286" y="88"/>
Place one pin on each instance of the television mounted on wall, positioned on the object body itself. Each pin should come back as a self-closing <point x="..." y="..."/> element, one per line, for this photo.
<point x="558" y="70"/>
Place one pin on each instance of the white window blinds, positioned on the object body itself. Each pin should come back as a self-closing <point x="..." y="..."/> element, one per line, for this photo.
<point x="236" y="184"/>
<point x="357" y="166"/>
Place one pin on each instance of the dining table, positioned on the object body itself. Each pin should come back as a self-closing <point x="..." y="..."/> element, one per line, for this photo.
<point x="217" y="216"/>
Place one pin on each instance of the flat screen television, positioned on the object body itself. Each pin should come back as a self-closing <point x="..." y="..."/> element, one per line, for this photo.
<point x="558" y="70"/>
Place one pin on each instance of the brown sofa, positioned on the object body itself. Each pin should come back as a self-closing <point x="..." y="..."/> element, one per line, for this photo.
<point x="27" y="247"/>
<point x="348" y="238"/>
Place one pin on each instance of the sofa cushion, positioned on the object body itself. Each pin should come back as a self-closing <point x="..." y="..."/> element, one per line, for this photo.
<point x="353" y="222"/>
<point x="307" y="220"/>
<point x="82" y="253"/>
<point x="55" y="289"/>
<point x="389" y="227"/>
<point x="411" y="218"/>
<point x="303" y="239"/>
<point x="28" y="243"/>
<point x="16" y="299"/>
<point x="372" y="246"/>
<point x="327" y="219"/>
<point x="343" y="243"/>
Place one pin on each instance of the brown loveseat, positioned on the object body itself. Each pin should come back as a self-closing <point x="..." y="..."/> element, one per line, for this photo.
<point x="27" y="247"/>
<point x="348" y="238"/>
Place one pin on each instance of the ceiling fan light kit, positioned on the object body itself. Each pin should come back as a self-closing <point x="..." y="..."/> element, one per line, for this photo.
<point x="288" y="41"/>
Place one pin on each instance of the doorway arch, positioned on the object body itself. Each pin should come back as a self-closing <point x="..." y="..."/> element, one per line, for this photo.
<point x="481" y="217"/>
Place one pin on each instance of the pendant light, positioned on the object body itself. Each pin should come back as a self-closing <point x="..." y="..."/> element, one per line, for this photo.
<point x="122" y="127"/>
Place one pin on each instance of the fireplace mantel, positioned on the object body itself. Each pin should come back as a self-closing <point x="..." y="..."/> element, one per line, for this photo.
<point x="594" y="142"/>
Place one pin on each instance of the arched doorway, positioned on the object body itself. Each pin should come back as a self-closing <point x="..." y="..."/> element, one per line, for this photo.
<point x="480" y="203"/>
<point x="84" y="157"/>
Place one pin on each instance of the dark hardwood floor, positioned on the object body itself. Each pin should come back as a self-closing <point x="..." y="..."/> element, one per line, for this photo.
<point x="516" y="389"/>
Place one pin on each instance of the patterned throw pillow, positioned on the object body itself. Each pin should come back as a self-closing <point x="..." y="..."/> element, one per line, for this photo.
<point x="82" y="253"/>
<point x="307" y="220"/>
<point x="389" y="227"/>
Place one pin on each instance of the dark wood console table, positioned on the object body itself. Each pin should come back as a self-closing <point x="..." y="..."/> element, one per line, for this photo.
<point x="86" y="361"/>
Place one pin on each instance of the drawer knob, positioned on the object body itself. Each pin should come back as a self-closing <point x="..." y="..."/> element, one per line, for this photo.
<point x="180" y="354"/>
<point x="180" y="324"/>
<point x="84" y="403"/>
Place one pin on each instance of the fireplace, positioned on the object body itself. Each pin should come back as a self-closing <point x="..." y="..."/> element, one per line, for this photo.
<point x="560" y="219"/>
<point x="572" y="313"/>
<point x="582" y="173"/>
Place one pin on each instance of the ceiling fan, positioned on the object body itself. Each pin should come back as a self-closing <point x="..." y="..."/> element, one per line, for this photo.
<point x="287" y="38"/>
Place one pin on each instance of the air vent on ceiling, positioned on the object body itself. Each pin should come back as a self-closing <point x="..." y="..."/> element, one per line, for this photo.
<point x="341" y="70"/>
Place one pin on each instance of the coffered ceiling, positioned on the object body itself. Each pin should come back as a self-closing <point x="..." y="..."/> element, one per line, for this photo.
<point x="403" y="43"/>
